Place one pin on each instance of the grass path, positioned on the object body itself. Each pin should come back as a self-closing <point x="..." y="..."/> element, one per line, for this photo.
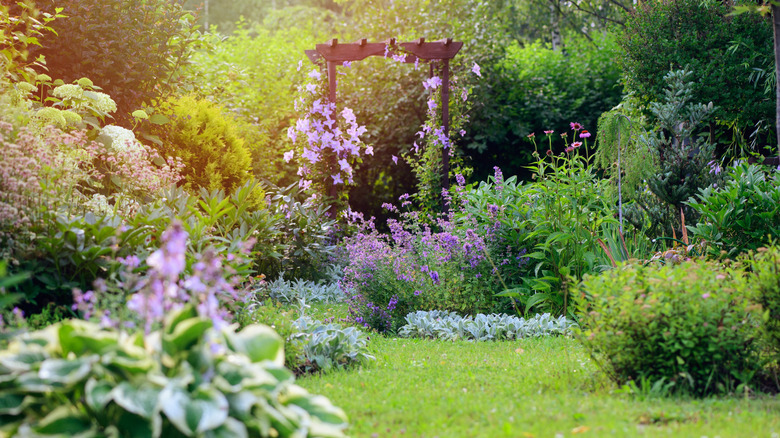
<point x="532" y="388"/>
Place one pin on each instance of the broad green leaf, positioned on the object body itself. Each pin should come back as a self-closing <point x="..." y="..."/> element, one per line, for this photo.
<point x="316" y="405"/>
<point x="66" y="371"/>
<point x="140" y="399"/>
<point x="77" y="336"/>
<point x="128" y="362"/>
<point x="13" y="404"/>
<point x="259" y="342"/>
<point x="177" y="316"/>
<point x="205" y="409"/>
<point x="159" y="119"/>
<point x="232" y="428"/>
<point x="63" y="421"/>
<point x="186" y="334"/>
<point x="22" y="361"/>
<point x="97" y="394"/>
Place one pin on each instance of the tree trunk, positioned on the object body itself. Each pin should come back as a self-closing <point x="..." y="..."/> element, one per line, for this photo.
<point x="776" y="26"/>
<point x="555" y="28"/>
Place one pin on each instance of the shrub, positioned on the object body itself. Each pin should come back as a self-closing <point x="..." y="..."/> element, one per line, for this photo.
<point x="697" y="35"/>
<point x="205" y="139"/>
<point x="188" y="379"/>
<point x="226" y="75"/>
<point x="690" y="325"/>
<point x="304" y="244"/>
<point x="132" y="50"/>
<point x="554" y="223"/>
<point x="25" y="25"/>
<point x="766" y="290"/>
<point x="740" y="215"/>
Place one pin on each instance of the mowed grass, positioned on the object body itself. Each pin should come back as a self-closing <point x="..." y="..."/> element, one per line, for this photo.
<point x="531" y="388"/>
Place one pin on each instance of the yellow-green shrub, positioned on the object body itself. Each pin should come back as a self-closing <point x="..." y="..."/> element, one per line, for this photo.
<point x="207" y="141"/>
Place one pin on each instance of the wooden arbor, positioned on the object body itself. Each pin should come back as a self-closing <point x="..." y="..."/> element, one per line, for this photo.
<point x="441" y="51"/>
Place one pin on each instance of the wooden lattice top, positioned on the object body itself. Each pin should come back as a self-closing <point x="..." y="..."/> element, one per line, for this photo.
<point x="333" y="51"/>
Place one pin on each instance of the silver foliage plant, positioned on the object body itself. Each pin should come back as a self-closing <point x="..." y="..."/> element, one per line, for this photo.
<point x="296" y="291"/>
<point x="451" y="326"/>
<point x="330" y="346"/>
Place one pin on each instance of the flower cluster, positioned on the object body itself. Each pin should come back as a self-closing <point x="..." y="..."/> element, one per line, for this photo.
<point x="165" y="287"/>
<point x="327" y="140"/>
<point x="420" y="266"/>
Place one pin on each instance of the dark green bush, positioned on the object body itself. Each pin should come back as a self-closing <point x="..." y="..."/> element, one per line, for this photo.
<point x="697" y="35"/>
<point x="690" y="324"/>
<point x="206" y="140"/>
<point x="766" y="289"/>
<point x="534" y="89"/>
<point x="132" y="49"/>
<point x="741" y="215"/>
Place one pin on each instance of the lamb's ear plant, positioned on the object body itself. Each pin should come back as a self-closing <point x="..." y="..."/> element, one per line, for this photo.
<point x="187" y="379"/>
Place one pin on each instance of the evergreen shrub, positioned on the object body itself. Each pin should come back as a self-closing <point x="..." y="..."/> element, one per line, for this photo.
<point x="206" y="140"/>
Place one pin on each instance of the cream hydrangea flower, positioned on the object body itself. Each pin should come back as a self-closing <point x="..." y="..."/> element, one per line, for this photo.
<point x="26" y="87"/>
<point x="71" y="118"/>
<point x="122" y="139"/>
<point x="68" y="91"/>
<point x="104" y="102"/>
<point x="50" y="116"/>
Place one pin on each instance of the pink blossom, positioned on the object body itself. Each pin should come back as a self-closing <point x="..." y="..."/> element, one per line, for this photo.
<point x="288" y="156"/>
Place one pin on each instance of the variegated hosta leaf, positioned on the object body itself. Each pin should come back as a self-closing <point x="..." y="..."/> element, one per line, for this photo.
<point x="63" y="421"/>
<point x="258" y="342"/>
<point x="194" y="413"/>
<point x="97" y="394"/>
<point x="140" y="398"/>
<point x="12" y="403"/>
<point x="66" y="371"/>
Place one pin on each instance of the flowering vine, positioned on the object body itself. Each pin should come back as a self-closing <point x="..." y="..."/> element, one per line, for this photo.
<point x="326" y="141"/>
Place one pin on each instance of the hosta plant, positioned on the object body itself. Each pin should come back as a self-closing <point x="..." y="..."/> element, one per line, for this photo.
<point x="186" y="379"/>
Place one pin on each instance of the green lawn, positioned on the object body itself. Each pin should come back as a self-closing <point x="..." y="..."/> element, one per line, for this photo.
<point x="531" y="388"/>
